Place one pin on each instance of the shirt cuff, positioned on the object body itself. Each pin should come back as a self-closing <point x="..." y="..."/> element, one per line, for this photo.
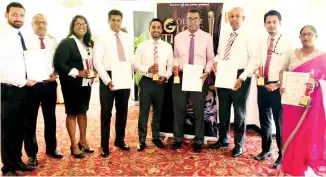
<point x="73" y="72"/>
<point x="243" y="77"/>
<point x="22" y="84"/>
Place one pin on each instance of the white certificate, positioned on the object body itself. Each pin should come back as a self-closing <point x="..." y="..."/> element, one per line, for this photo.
<point x="191" y="80"/>
<point x="38" y="64"/>
<point x="121" y="75"/>
<point x="295" y="87"/>
<point x="226" y="74"/>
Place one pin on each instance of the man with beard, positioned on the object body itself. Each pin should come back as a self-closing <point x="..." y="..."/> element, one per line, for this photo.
<point x="235" y="46"/>
<point x="13" y="91"/>
<point x="44" y="93"/>
<point x="275" y="51"/>
<point x="153" y="58"/>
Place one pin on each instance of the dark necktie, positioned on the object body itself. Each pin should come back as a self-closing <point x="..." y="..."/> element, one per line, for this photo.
<point x="42" y="43"/>
<point x="22" y="40"/>
<point x="192" y="50"/>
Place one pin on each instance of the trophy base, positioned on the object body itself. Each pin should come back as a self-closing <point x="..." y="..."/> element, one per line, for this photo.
<point x="176" y="80"/>
<point x="305" y="101"/>
<point x="91" y="75"/>
<point x="155" y="77"/>
<point x="260" y="81"/>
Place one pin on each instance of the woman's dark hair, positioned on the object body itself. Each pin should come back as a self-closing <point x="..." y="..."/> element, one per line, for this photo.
<point x="312" y="28"/>
<point x="87" y="38"/>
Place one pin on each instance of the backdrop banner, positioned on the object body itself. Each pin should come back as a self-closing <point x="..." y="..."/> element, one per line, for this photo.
<point x="174" y="17"/>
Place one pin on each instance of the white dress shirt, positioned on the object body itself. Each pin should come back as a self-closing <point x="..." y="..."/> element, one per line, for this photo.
<point x="144" y="58"/>
<point x="33" y="42"/>
<point x="243" y="51"/>
<point x="12" y="63"/>
<point x="281" y="54"/>
<point x="106" y="52"/>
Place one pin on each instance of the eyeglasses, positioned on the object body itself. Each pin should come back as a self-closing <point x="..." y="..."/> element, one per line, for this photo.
<point x="80" y="25"/>
<point x="307" y="34"/>
<point x="40" y="22"/>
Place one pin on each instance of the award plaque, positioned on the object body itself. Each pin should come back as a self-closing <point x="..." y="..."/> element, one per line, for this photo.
<point x="156" y="75"/>
<point x="176" y="79"/>
<point x="260" y="79"/>
<point x="91" y="72"/>
<point x="306" y="99"/>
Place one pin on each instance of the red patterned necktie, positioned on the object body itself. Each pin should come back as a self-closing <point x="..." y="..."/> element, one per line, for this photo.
<point x="228" y="47"/>
<point x="155" y="53"/>
<point x="42" y="43"/>
<point x="269" y="58"/>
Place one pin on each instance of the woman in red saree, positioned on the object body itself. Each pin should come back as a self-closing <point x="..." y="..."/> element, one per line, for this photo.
<point x="304" y="129"/>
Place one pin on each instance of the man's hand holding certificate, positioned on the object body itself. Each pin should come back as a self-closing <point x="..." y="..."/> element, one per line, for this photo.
<point x="226" y="75"/>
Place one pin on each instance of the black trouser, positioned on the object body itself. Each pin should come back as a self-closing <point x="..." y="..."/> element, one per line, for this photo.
<point x="226" y="98"/>
<point x="150" y="92"/>
<point x="269" y="103"/>
<point x="46" y="95"/>
<point x="13" y="102"/>
<point x="107" y="98"/>
<point x="180" y="101"/>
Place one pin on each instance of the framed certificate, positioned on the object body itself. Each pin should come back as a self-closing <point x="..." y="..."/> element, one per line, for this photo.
<point x="295" y="87"/>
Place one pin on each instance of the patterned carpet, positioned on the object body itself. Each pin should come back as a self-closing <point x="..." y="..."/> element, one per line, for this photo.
<point x="152" y="161"/>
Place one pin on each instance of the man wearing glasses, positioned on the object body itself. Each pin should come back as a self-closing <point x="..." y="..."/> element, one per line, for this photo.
<point x="274" y="53"/>
<point x="44" y="93"/>
<point x="193" y="47"/>
<point x="235" y="46"/>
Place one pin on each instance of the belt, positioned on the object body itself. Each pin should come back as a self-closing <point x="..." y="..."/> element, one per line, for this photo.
<point x="7" y="85"/>
<point x="271" y="82"/>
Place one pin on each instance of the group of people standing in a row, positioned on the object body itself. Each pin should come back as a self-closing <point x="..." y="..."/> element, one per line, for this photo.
<point x="77" y="55"/>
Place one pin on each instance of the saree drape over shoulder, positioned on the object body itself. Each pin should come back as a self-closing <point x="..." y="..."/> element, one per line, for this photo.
<point x="304" y="129"/>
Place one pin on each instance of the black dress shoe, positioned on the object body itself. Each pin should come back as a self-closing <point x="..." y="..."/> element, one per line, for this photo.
<point x="78" y="156"/>
<point x="277" y="163"/>
<point x="236" y="152"/>
<point x="10" y="173"/>
<point x="23" y="167"/>
<point x="197" y="147"/>
<point x="141" y="146"/>
<point x="263" y="155"/>
<point x="218" y="145"/>
<point x="32" y="161"/>
<point x="122" y="146"/>
<point x="105" y="153"/>
<point x="176" y="145"/>
<point x="56" y="154"/>
<point x="158" y="143"/>
<point x="89" y="150"/>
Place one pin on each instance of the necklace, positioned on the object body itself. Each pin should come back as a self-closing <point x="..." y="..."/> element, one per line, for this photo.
<point x="304" y="57"/>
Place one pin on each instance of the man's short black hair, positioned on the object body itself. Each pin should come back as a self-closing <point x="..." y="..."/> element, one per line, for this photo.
<point x="14" y="4"/>
<point x="272" y="13"/>
<point x="115" y="12"/>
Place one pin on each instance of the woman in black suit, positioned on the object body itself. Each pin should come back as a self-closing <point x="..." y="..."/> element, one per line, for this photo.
<point x="73" y="62"/>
